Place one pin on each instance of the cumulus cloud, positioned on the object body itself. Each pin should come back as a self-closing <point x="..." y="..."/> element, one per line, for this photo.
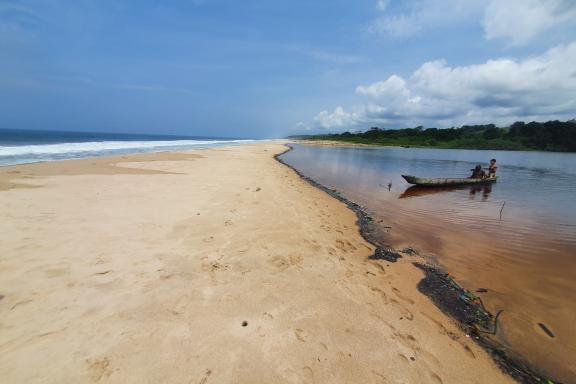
<point x="339" y="118"/>
<point x="501" y="91"/>
<point x="520" y="21"/>
<point x="393" y="87"/>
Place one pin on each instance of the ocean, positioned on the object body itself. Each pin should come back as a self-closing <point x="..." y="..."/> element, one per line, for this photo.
<point x="31" y="146"/>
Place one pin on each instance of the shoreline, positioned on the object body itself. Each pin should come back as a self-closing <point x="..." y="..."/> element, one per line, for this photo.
<point x="335" y="143"/>
<point x="128" y="152"/>
<point x="215" y="261"/>
<point x="470" y="314"/>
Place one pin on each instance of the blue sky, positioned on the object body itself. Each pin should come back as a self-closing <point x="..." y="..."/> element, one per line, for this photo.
<point x="265" y="68"/>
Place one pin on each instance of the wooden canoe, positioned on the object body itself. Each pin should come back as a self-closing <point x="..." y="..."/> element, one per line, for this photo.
<point x="443" y="182"/>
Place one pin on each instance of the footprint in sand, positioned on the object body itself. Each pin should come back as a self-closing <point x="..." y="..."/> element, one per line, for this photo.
<point x="403" y="358"/>
<point x="282" y="263"/>
<point x="381" y="376"/>
<point x="204" y="379"/>
<point x="99" y="369"/>
<point x="405" y="312"/>
<point x="441" y="328"/>
<point x="214" y="266"/>
<point x="181" y="305"/>
<point x="300" y="335"/>
<point x="469" y="351"/>
<point x="308" y="373"/>
<point x="381" y="268"/>
<point x="381" y="293"/>
<point x="401" y="296"/>
<point x="268" y="316"/>
<point x="435" y="378"/>
<point x="412" y="344"/>
<point x="313" y="244"/>
<point x="345" y="246"/>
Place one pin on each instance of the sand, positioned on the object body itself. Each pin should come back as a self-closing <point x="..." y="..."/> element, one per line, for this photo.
<point x="211" y="266"/>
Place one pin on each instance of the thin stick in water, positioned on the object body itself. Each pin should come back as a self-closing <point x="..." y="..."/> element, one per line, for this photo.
<point x="501" y="210"/>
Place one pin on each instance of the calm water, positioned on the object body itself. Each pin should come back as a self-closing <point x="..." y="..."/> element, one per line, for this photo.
<point x="517" y="238"/>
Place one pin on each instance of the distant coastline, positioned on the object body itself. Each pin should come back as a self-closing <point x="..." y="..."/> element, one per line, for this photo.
<point x="555" y="136"/>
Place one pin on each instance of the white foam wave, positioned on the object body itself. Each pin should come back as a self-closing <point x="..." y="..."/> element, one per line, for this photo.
<point x="105" y="146"/>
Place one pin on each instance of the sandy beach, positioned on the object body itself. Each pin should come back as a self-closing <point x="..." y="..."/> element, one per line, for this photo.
<point x="208" y="266"/>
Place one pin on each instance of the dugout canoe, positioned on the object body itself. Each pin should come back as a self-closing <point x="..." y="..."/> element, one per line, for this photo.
<point x="444" y="182"/>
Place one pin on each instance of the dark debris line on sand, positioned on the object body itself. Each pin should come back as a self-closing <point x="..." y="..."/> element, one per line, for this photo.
<point x="475" y="320"/>
<point x="460" y="304"/>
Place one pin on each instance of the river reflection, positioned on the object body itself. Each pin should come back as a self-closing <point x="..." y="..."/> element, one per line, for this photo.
<point x="516" y="237"/>
<point x="416" y="191"/>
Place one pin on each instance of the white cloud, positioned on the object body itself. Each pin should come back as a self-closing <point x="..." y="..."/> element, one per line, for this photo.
<point x="520" y="21"/>
<point x="339" y="118"/>
<point x="393" y="87"/>
<point x="503" y="90"/>
<point x="516" y="21"/>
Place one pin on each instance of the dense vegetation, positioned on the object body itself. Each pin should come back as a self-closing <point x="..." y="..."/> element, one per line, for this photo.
<point x="549" y="136"/>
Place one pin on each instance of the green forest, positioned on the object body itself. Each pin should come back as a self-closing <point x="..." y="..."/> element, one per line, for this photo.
<point x="549" y="136"/>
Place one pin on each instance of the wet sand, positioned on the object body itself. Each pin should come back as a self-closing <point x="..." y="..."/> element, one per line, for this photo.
<point x="209" y="266"/>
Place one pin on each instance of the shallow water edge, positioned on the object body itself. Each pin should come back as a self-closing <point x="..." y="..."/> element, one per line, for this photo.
<point x="451" y="298"/>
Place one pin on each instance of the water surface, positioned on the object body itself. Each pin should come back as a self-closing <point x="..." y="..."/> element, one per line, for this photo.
<point x="29" y="146"/>
<point x="516" y="238"/>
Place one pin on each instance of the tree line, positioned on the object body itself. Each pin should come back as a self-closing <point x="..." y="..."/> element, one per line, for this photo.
<point x="549" y="136"/>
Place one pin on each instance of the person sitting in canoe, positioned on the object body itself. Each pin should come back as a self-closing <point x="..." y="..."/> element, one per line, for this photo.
<point x="492" y="168"/>
<point x="478" y="173"/>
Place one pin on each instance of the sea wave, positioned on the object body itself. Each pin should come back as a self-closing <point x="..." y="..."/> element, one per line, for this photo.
<point x="98" y="146"/>
<point x="10" y="155"/>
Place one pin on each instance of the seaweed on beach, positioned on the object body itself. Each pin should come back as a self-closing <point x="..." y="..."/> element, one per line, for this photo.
<point x="454" y="300"/>
<point x="471" y="314"/>
<point x="385" y="254"/>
